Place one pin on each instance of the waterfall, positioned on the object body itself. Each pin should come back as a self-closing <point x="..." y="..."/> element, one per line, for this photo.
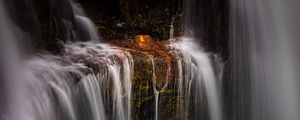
<point x="199" y="71"/>
<point x="71" y="75"/>
<point x="95" y="81"/>
<point x="264" y="42"/>
<point x="52" y="87"/>
<point x="58" y="88"/>
<point x="172" y="29"/>
<point x="11" y="85"/>
<point x="113" y="75"/>
<point x="86" y="28"/>
<point x="203" y="83"/>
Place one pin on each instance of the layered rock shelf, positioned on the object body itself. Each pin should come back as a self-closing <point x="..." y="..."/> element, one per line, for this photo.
<point x="155" y="70"/>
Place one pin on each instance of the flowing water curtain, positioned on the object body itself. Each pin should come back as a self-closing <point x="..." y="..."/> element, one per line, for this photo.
<point x="86" y="29"/>
<point x="50" y="83"/>
<point x="263" y="37"/>
<point x="199" y="70"/>
<point x="93" y="81"/>
<point x="12" y="91"/>
<point x="204" y="95"/>
<point x="114" y="76"/>
<point x="61" y="89"/>
<point x="38" y="88"/>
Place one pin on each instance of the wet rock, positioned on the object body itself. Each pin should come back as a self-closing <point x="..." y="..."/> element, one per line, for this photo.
<point x="56" y="19"/>
<point x="151" y="59"/>
<point x="155" y="69"/>
<point x="45" y="23"/>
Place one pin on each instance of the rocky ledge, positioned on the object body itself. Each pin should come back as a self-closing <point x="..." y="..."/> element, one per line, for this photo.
<point x="155" y="71"/>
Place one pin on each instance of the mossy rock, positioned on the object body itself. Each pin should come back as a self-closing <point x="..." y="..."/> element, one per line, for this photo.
<point x="155" y="70"/>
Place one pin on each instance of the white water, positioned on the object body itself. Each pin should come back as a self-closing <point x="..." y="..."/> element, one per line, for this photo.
<point x="84" y="23"/>
<point x="172" y="29"/>
<point x="265" y="45"/>
<point x="58" y="88"/>
<point x="93" y="90"/>
<point x="11" y="85"/>
<point x="119" y="75"/>
<point x="156" y="92"/>
<point x="156" y="96"/>
<point x="65" y="87"/>
<point x="53" y="91"/>
<point x="87" y="25"/>
<point x="200" y="71"/>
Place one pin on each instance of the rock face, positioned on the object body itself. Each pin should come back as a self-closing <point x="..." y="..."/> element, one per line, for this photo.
<point x="151" y="60"/>
<point x="45" y="25"/>
<point x="122" y="19"/>
<point x="48" y="24"/>
<point x="117" y="19"/>
<point x="42" y="23"/>
<point x="154" y="72"/>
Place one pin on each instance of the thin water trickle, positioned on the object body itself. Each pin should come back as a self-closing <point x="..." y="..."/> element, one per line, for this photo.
<point x="172" y="29"/>
<point x="156" y="96"/>
<point x="156" y="92"/>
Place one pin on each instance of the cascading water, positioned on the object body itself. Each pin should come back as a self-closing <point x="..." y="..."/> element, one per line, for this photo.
<point x="56" y="87"/>
<point x="94" y="81"/>
<point x="200" y="79"/>
<point x="11" y="85"/>
<point x="264" y="44"/>
<point x="87" y="28"/>
<point x="113" y="75"/>
<point x="199" y="71"/>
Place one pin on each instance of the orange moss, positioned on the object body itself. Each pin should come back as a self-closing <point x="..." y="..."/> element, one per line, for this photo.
<point x="143" y="47"/>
